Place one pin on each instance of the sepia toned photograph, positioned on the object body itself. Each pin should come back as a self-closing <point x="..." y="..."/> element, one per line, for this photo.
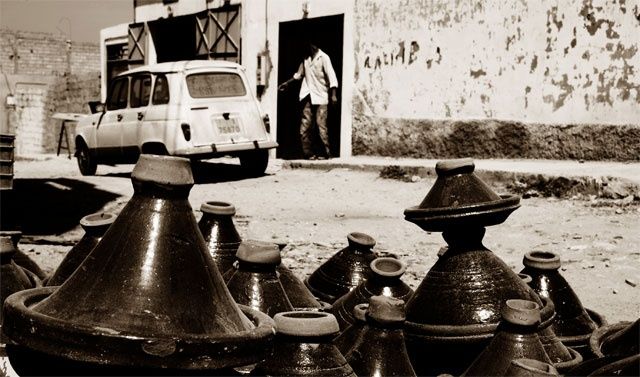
<point x="320" y="188"/>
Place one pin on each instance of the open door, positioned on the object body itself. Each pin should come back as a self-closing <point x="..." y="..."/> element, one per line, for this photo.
<point x="327" y="33"/>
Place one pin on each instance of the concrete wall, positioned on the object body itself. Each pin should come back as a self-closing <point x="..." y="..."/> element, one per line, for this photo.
<point x="426" y="67"/>
<point x="45" y="74"/>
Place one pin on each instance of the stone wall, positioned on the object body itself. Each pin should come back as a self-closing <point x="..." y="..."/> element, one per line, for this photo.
<point x="45" y="74"/>
<point x="548" y="79"/>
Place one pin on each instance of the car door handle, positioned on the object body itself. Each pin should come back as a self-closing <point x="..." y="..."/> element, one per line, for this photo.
<point x="119" y="117"/>
<point x="140" y="116"/>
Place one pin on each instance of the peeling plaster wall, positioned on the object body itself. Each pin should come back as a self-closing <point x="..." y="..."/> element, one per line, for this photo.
<point x="548" y="62"/>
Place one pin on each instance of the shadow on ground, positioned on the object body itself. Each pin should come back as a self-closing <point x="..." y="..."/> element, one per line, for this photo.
<point x="50" y="206"/>
<point x="206" y="172"/>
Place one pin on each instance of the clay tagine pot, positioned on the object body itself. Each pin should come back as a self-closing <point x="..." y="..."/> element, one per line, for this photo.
<point x="94" y="225"/>
<point x="454" y="312"/>
<point x="344" y="270"/>
<point x="13" y="278"/>
<point x="148" y="297"/>
<point x="219" y="232"/>
<point x="515" y="338"/>
<point x="530" y="368"/>
<point x="384" y="280"/>
<point x="618" y="340"/>
<point x="303" y="347"/>
<point x="573" y="324"/>
<point x="255" y="282"/>
<point x="298" y="294"/>
<point x="562" y="357"/>
<point x="380" y="350"/>
<point x="352" y="334"/>
<point x="20" y="257"/>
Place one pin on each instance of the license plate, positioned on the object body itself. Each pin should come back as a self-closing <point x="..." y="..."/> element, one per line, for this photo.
<point x="227" y="126"/>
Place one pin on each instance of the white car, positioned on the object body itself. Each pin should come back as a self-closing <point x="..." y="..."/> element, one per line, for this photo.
<point x="197" y="109"/>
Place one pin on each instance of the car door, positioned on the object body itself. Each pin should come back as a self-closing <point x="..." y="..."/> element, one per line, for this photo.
<point x="139" y="94"/>
<point x="108" y="136"/>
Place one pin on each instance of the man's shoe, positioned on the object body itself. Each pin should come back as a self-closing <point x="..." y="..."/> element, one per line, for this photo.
<point x="314" y="157"/>
<point x="321" y="158"/>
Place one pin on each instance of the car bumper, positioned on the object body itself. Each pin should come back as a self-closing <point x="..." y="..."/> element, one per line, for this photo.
<point x="220" y="149"/>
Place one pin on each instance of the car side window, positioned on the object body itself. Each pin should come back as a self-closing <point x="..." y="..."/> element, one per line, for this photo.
<point x="161" y="90"/>
<point x="118" y="94"/>
<point x="140" y="90"/>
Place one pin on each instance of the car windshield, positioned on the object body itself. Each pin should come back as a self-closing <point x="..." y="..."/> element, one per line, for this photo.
<point x="214" y="85"/>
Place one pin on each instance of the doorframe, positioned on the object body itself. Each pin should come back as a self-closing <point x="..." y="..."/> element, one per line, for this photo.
<point x="293" y="13"/>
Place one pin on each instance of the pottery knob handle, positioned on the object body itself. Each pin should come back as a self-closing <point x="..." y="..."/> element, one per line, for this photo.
<point x="521" y="312"/>
<point x="218" y="208"/>
<point x="360" y="240"/>
<point x="455" y="166"/>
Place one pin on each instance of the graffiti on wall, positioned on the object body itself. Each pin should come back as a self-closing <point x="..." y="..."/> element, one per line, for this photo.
<point x="574" y="61"/>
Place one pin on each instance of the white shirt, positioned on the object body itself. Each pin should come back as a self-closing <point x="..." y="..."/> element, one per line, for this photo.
<point x="316" y="72"/>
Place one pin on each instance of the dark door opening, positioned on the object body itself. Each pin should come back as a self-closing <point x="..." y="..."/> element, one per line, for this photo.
<point x="174" y="38"/>
<point x="327" y="33"/>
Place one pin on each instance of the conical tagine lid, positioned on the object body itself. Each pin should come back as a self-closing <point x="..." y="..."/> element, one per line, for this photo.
<point x="460" y="198"/>
<point x="219" y="232"/>
<point x="149" y="295"/>
<point x="94" y="225"/>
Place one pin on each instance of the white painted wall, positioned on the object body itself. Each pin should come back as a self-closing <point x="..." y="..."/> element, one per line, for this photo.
<point x="548" y="61"/>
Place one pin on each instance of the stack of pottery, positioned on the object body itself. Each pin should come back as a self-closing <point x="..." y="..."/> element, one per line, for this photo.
<point x="455" y="311"/>
<point x="384" y="280"/>
<point x="303" y="347"/>
<point x="516" y="338"/>
<point x="255" y="281"/>
<point x="223" y="240"/>
<point x="94" y="225"/>
<point x="147" y="299"/>
<point x="345" y="270"/>
<point x="573" y="324"/>
<point x="380" y="349"/>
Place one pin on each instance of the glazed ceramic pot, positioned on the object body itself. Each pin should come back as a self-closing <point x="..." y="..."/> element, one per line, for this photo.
<point x="344" y="270"/>
<point x="384" y="280"/>
<point x="219" y="232"/>
<point x="608" y="366"/>
<point x="13" y="278"/>
<point x="380" y="350"/>
<point x="20" y="257"/>
<point x="352" y="334"/>
<point x="94" y="225"/>
<point x="618" y="340"/>
<point x="298" y="294"/>
<point x="255" y="282"/>
<point x="148" y="296"/>
<point x="455" y="311"/>
<point x="303" y="347"/>
<point x="515" y="338"/>
<point x="530" y="368"/>
<point x="573" y="324"/>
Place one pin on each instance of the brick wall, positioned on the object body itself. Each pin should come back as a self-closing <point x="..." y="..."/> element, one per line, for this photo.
<point x="46" y="74"/>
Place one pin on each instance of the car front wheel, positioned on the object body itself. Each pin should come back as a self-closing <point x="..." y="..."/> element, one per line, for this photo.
<point x="86" y="163"/>
<point x="255" y="162"/>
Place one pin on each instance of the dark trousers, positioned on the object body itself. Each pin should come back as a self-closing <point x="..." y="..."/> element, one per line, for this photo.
<point x="311" y="113"/>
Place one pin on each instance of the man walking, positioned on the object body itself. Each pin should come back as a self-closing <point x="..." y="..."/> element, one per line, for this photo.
<point x="319" y="86"/>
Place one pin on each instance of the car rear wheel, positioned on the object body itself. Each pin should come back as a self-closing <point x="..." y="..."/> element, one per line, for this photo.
<point x="255" y="162"/>
<point x="86" y="163"/>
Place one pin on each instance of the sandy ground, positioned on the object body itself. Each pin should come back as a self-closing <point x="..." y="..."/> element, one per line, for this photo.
<point x="313" y="211"/>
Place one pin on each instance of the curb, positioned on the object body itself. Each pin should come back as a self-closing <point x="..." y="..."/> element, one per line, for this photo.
<point x="527" y="184"/>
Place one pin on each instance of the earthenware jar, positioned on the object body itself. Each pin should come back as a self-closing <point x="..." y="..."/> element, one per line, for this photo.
<point x="515" y="338"/>
<point x="573" y="324"/>
<point x="352" y="334"/>
<point x="13" y="278"/>
<point x="94" y="225"/>
<point x="384" y="280"/>
<point x="618" y="340"/>
<point x="380" y="350"/>
<point x="303" y="347"/>
<point x="219" y="232"/>
<point x="344" y="270"/>
<point x="21" y="258"/>
<point x="149" y="296"/>
<point x="530" y="368"/>
<point x="255" y="282"/>
<point x="454" y="312"/>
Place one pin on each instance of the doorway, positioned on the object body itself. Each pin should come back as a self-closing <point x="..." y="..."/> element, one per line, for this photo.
<point x="327" y="33"/>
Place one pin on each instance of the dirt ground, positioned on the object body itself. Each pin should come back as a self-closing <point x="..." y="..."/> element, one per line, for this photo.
<point x="313" y="211"/>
